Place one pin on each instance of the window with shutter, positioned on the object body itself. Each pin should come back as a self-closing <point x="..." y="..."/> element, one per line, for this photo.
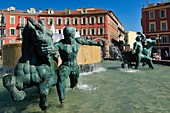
<point x="12" y="19"/>
<point x="152" y="15"/>
<point x="12" y="32"/>
<point x="162" y="13"/>
<point x="59" y="21"/>
<point x="67" y="21"/>
<point x="164" y="39"/>
<point x="22" y="21"/>
<point x="164" y="25"/>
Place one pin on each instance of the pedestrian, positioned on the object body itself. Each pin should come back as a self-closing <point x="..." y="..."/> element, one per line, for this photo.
<point x="166" y="55"/>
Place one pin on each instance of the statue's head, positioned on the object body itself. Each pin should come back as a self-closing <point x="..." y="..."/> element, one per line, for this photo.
<point x="69" y="31"/>
<point x="38" y="29"/>
<point x="143" y="37"/>
<point x="138" y="38"/>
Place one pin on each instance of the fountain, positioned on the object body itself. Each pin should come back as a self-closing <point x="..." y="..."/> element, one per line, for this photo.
<point x="114" y="51"/>
<point x="37" y="65"/>
<point x="112" y="90"/>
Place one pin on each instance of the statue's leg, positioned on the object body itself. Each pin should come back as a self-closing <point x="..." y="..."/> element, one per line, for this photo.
<point x="138" y="60"/>
<point x="74" y="77"/>
<point x="9" y="82"/>
<point x="44" y="89"/>
<point x="63" y="73"/>
<point x="149" y="61"/>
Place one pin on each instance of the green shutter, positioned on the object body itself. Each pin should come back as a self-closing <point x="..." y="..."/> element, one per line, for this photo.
<point x="14" y="31"/>
<point x="9" y="32"/>
<point x="4" y="32"/>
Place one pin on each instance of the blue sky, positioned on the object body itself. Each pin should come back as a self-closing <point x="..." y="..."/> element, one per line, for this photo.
<point x="127" y="11"/>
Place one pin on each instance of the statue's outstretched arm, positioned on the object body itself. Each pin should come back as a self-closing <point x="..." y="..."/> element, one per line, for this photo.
<point x="84" y="41"/>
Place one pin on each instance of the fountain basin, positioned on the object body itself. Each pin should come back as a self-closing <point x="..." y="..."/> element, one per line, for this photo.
<point x="86" y="55"/>
<point x="111" y="91"/>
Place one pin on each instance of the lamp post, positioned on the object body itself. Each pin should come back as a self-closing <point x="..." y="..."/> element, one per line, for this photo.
<point x="158" y="38"/>
<point x="2" y="22"/>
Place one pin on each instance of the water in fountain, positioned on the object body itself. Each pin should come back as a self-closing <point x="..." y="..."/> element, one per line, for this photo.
<point x="88" y="69"/>
<point x="127" y="69"/>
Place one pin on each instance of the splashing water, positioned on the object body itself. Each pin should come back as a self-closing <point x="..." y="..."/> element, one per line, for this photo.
<point x="113" y="50"/>
<point x="128" y="70"/>
<point x="86" y="87"/>
<point x="97" y="70"/>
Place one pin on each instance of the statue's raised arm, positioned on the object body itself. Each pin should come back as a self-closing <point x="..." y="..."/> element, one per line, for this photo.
<point x="87" y="41"/>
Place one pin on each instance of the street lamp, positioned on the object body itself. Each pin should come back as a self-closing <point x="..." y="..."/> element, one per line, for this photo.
<point x="158" y="38"/>
<point x="2" y="23"/>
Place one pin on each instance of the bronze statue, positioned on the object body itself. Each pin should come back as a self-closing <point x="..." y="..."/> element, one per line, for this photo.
<point x="147" y="48"/>
<point x="141" y="52"/>
<point x="38" y="64"/>
<point x="35" y="67"/>
<point x="68" y="49"/>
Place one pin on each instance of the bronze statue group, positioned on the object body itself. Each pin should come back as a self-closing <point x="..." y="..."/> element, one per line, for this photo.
<point x="142" y="50"/>
<point x="38" y="64"/>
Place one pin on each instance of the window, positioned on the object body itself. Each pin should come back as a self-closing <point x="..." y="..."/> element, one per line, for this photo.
<point x="59" y="21"/>
<point x="12" y="19"/>
<point x="75" y="21"/>
<point x="92" y="31"/>
<point x="100" y="20"/>
<point x="92" y="20"/>
<point x="163" y="25"/>
<point x="162" y="13"/>
<point x="84" y="11"/>
<point x="67" y="12"/>
<point x="22" y="21"/>
<point x="12" y="31"/>
<point x="20" y="33"/>
<point x="60" y="31"/>
<point x="84" y="20"/>
<point x="84" y="32"/>
<point x="2" y="20"/>
<point x="100" y="31"/>
<point x="164" y="39"/>
<point x="50" y="21"/>
<point x="152" y="26"/>
<point x="67" y="21"/>
<point x="50" y="11"/>
<point x="151" y="15"/>
<point x="32" y="10"/>
<point x="3" y="34"/>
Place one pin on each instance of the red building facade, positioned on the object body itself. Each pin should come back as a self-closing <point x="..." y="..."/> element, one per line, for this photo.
<point x="156" y="25"/>
<point x="90" y="22"/>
